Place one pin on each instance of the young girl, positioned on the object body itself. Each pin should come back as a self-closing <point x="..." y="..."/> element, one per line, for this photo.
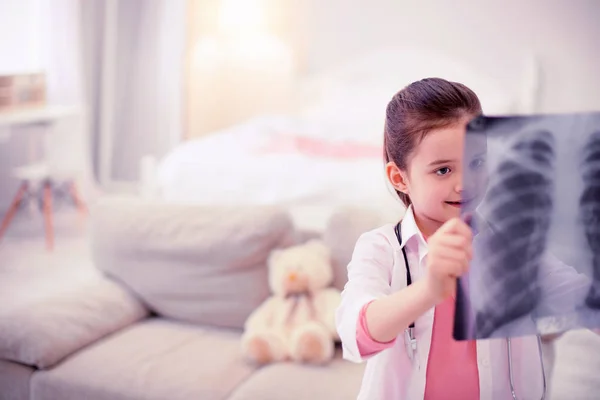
<point x="424" y="144"/>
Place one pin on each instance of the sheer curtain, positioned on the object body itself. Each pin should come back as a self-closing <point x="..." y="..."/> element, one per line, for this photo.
<point x="134" y="68"/>
<point x="62" y="59"/>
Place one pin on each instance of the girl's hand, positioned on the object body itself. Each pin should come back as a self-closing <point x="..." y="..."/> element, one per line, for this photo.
<point x="551" y="338"/>
<point x="450" y="251"/>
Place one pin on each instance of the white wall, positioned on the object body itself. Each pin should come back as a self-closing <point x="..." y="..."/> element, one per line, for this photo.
<point x="20" y="37"/>
<point x="494" y="35"/>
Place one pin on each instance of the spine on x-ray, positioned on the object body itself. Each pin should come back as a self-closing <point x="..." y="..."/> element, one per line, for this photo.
<point x="590" y="212"/>
<point x="520" y="204"/>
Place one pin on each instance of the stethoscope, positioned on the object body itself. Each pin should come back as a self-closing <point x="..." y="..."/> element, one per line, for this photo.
<point x="411" y="341"/>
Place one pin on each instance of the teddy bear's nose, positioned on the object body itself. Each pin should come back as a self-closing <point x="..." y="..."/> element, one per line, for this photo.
<point x="292" y="276"/>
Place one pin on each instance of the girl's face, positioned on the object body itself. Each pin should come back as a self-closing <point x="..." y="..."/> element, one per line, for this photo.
<point x="434" y="178"/>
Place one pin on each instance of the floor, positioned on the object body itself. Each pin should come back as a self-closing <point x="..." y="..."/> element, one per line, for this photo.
<point x="28" y="271"/>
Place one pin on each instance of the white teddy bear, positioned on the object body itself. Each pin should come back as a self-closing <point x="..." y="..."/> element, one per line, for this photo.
<point x="298" y="321"/>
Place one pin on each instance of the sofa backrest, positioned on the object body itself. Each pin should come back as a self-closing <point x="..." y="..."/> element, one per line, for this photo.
<point x="206" y="264"/>
<point x="342" y="231"/>
<point x="193" y="263"/>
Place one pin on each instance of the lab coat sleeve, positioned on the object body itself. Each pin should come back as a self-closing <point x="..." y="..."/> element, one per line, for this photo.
<point x="563" y="288"/>
<point x="369" y="277"/>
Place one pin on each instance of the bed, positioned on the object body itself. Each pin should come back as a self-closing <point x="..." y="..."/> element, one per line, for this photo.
<point x="327" y="152"/>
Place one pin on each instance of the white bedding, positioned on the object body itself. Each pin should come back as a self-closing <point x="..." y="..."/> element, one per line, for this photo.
<point x="251" y="163"/>
<point x="260" y="163"/>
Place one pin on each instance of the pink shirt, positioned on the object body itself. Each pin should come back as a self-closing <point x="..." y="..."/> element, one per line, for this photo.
<point x="452" y="371"/>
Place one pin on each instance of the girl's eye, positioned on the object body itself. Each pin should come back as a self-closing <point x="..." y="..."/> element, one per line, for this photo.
<point x="443" y="171"/>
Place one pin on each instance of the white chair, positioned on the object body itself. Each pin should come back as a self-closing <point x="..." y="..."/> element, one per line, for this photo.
<point x="55" y="177"/>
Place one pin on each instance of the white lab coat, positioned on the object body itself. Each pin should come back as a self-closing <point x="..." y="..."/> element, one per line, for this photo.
<point x="377" y="269"/>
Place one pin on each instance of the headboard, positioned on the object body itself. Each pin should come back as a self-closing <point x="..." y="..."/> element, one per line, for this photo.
<point x="378" y="74"/>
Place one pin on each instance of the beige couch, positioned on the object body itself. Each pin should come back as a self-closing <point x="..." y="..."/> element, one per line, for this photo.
<point x="162" y="318"/>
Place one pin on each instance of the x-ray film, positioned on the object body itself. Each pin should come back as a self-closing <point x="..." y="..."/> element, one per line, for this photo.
<point x="532" y="191"/>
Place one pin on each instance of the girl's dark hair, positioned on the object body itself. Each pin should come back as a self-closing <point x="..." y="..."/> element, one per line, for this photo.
<point x="424" y="105"/>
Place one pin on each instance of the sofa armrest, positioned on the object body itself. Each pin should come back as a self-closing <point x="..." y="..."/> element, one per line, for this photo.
<point x="46" y="331"/>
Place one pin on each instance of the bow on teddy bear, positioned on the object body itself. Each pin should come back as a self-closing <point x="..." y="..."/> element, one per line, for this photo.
<point x="297" y="322"/>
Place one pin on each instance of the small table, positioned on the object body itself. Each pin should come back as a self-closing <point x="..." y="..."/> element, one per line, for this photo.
<point x="35" y="115"/>
<point x="32" y="116"/>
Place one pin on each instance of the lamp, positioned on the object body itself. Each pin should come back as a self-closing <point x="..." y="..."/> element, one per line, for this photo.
<point x="239" y="72"/>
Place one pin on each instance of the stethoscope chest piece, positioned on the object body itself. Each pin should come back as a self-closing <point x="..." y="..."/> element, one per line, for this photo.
<point x="411" y="343"/>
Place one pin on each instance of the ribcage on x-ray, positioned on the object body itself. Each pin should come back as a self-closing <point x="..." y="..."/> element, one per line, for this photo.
<point x="590" y="212"/>
<point x="519" y="201"/>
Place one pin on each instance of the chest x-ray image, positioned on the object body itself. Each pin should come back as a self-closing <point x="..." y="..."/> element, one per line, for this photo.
<point x="536" y="223"/>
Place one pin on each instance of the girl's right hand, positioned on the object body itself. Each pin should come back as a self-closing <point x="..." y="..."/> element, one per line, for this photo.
<point x="450" y="251"/>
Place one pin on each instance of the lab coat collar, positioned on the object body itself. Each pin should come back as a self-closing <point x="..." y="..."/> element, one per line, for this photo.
<point x="410" y="230"/>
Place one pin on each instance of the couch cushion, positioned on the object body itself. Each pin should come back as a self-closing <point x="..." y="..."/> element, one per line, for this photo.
<point x="42" y="331"/>
<point x="152" y="360"/>
<point x="341" y="234"/>
<point x="14" y="381"/>
<point x="339" y="380"/>
<point x="192" y="263"/>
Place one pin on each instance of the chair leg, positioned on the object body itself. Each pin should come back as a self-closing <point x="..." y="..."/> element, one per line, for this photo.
<point x="77" y="199"/>
<point x="48" y="215"/>
<point x="81" y="207"/>
<point x="13" y="208"/>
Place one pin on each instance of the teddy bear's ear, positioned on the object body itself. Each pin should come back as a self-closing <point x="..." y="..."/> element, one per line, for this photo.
<point x="319" y="246"/>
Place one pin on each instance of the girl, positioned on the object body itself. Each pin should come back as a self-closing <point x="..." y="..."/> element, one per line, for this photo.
<point x="424" y="144"/>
